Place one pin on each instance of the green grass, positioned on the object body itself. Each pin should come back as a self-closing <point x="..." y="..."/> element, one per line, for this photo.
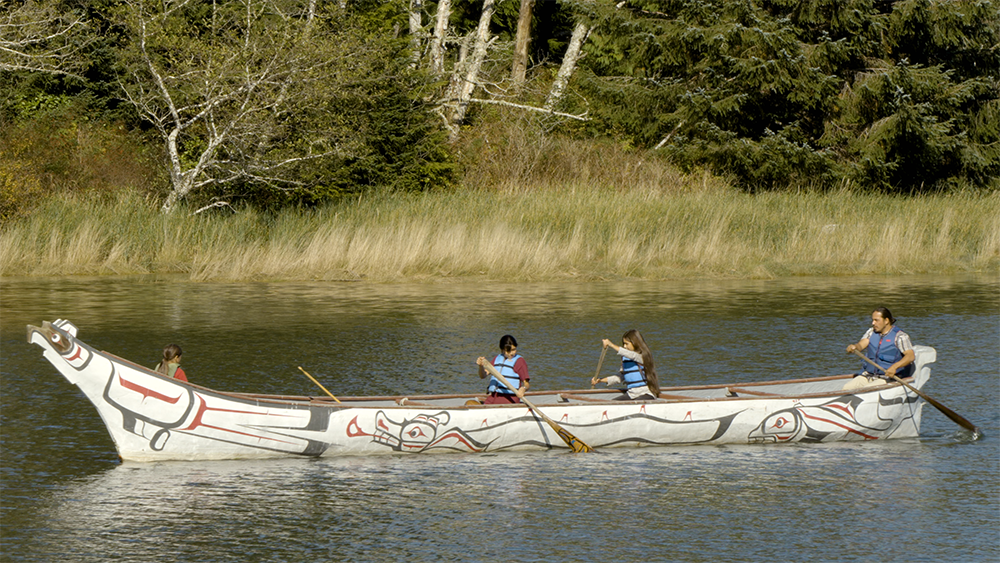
<point x="699" y="228"/>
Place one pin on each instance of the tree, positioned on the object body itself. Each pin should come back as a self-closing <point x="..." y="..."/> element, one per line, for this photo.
<point x="38" y="37"/>
<point x="254" y="92"/>
<point x="490" y="36"/>
<point x="437" y="40"/>
<point x="572" y="56"/>
<point x="890" y="95"/>
<point x="466" y="75"/>
<point x="520" y="65"/>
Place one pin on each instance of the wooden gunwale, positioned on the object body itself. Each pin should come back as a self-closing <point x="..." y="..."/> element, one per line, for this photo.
<point x="576" y="397"/>
<point x="749" y="392"/>
<point x="351" y="402"/>
<point x="393" y="398"/>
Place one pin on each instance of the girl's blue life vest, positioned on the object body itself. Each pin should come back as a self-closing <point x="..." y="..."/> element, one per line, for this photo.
<point x="633" y="373"/>
<point x="882" y="349"/>
<point x="506" y="369"/>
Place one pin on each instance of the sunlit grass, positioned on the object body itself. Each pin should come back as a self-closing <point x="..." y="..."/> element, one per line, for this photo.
<point x="546" y="234"/>
<point x="534" y="206"/>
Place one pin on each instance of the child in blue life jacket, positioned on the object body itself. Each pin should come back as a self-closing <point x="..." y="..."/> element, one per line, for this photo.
<point x="638" y="372"/>
<point x="512" y="367"/>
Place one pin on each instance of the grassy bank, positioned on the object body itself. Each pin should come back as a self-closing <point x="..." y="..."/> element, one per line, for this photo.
<point x="696" y="231"/>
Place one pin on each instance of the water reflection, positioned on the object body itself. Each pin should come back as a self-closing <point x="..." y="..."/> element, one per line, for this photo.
<point x="479" y="507"/>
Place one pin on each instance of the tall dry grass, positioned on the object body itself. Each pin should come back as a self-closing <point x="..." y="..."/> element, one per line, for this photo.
<point x="696" y="228"/>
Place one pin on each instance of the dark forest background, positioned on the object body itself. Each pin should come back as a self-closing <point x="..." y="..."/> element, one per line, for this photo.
<point x="287" y="102"/>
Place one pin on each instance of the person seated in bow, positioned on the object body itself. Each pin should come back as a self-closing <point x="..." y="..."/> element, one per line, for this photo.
<point x="170" y="365"/>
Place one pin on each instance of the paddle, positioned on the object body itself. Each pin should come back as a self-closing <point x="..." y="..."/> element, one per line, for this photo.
<point x="317" y="383"/>
<point x="976" y="433"/>
<point x="600" y="362"/>
<point x="572" y="441"/>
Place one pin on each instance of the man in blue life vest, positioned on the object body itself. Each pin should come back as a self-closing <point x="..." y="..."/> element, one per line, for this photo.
<point x="888" y="347"/>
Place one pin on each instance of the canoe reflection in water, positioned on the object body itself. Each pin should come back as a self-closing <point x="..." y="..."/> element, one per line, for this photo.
<point x="151" y="417"/>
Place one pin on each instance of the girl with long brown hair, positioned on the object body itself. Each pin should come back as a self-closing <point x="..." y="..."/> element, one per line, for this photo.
<point x="638" y="371"/>
<point x="170" y="366"/>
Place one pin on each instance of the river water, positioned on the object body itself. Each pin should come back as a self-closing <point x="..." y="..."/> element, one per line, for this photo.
<point x="67" y="497"/>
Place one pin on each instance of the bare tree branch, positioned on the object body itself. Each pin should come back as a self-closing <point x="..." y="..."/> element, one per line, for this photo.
<point x="531" y="108"/>
<point x="37" y="37"/>
<point x="225" y="98"/>
<point x="216" y="204"/>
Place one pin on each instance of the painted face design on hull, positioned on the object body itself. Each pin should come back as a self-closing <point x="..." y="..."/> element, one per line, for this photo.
<point x="57" y="339"/>
<point x="829" y="421"/>
<point x="418" y="434"/>
<point x="411" y="435"/>
<point x="61" y="336"/>
<point x="782" y="426"/>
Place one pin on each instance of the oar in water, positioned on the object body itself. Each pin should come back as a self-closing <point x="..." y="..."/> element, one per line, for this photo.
<point x="317" y="383"/>
<point x="576" y="444"/>
<point x="976" y="433"/>
<point x="604" y="350"/>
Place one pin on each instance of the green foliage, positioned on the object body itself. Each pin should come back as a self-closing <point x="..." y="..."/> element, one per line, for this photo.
<point x="20" y="186"/>
<point x="465" y="16"/>
<point x="59" y="152"/>
<point x="890" y="96"/>
<point x="269" y="103"/>
<point x="399" y="146"/>
<point x="887" y="95"/>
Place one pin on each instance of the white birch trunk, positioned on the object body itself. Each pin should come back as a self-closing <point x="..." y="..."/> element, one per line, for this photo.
<point x="573" y="53"/>
<point x="416" y="33"/>
<point x="437" y="40"/>
<point x="475" y="62"/>
<point x="457" y="73"/>
<point x="520" y="65"/>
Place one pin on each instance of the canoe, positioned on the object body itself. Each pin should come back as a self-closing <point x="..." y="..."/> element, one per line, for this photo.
<point x="152" y="417"/>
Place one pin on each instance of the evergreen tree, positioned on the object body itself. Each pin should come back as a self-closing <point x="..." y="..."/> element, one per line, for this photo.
<point x="889" y="95"/>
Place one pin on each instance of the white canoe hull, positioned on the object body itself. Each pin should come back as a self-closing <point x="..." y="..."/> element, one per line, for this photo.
<point x="151" y="417"/>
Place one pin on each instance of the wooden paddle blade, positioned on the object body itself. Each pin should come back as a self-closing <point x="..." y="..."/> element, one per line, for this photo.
<point x="576" y="445"/>
<point x="572" y="441"/>
<point x="600" y="362"/>
<point x="954" y="416"/>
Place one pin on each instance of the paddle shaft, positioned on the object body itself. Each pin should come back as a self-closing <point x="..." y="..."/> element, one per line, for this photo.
<point x="604" y="350"/>
<point x="945" y="410"/>
<point x="576" y="444"/>
<point x="318" y="383"/>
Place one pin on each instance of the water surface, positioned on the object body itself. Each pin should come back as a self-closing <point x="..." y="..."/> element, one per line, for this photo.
<point x="66" y="496"/>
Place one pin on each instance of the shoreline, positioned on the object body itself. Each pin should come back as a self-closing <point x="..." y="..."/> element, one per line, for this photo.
<point x="592" y="234"/>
